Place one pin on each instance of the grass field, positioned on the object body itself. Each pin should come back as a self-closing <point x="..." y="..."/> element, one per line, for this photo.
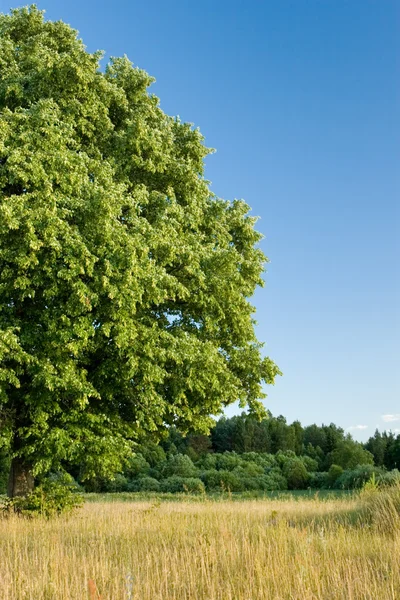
<point x="299" y="548"/>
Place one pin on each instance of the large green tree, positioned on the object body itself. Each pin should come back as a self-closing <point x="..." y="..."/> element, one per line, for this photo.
<point x="124" y="281"/>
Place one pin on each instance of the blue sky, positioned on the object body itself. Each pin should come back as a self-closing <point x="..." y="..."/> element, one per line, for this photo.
<point x="301" y="100"/>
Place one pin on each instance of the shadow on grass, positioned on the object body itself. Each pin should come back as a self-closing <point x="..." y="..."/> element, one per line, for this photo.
<point x="377" y="510"/>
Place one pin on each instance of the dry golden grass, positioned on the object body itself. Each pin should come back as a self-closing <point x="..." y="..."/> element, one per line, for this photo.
<point x="230" y="550"/>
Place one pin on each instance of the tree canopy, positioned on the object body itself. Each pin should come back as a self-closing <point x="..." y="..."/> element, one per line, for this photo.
<point x="125" y="282"/>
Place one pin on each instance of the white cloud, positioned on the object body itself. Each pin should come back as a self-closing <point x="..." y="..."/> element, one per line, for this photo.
<point x="391" y="418"/>
<point x="354" y="427"/>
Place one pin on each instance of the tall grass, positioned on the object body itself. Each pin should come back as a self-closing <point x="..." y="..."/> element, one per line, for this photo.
<point x="381" y="508"/>
<point x="226" y="550"/>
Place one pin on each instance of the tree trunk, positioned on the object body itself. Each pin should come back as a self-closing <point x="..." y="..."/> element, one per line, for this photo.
<point x="21" y="480"/>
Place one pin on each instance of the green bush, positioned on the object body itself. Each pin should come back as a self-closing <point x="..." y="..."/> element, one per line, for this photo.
<point x="263" y="459"/>
<point x="4" y="470"/>
<point x="137" y="465"/>
<point x="176" y="484"/>
<point x="119" y="483"/>
<point x="194" y="485"/>
<point x="282" y="457"/>
<point x="222" y="481"/>
<point x="65" y="479"/>
<point x="180" y="465"/>
<point x="264" y="483"/>
<point x="296" y="474"/>
<point x="349" y="454"/>
<point x="318" y="480"/>
<point x="48" y="499"/>
<point x="274" y="480"/>
<point x="352" y="479"/>
<point x="248" y="469"/>
<point x="391" y="478"/>
<point x="153" y="453"/>
<point x="315" y="453"/>
<point x="310" y="463"/>
<point x="227" y="461"/>
<point x="335" y="471"/>
<point x="249" y="484"/>
<point x="148" y="484"/>
<point x="208" y="462"/>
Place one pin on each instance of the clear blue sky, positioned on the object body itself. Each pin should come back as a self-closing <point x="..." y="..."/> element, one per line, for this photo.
<point x="301" y="100"/>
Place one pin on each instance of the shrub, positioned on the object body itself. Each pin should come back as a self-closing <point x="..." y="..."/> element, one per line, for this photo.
<point x="119" y="483"/>
<point x="48" y="499"/>
<point x="390" y="478"/>
<point x="314" y="452"/>
<point x="207" y="462"/>
<point x="296" y="474"/>
<point x="350" y="454"/>
<point x="156" y="472"/>
<point x="355" y="478"/>
<point x="153" y="453"/>
<point x="228" y="461"/>
<point x="222" y="481"/>
<point x="318" y="480"/>
<point x="248" y="469"/>
<point x="4" y="470"/>
<point x="252" y="483"/>
<point x="198" y="445"/>
<point x="175" y="484"/>
<point x="180" y="465"/>
<point x="263" y="459"/>
<point x="335" y="471"/>
<point x="65" y="479"/>
<point x="310" y="463"/>
<point x="148" y="484"/>
<point x="194" y="485"/>
<point x="137" y="465"/>
<point x="274" y="480"/>
<point x="282" y="457"/>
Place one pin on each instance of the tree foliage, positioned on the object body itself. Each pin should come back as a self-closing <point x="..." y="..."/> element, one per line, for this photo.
<point x="174" y="465"/>
<point x="349" y="454"/>
<point x="124" y="281"/>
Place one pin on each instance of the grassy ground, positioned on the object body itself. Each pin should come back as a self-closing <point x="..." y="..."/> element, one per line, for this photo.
<point x="290" y="548"/>
<point x="219" y="496"/>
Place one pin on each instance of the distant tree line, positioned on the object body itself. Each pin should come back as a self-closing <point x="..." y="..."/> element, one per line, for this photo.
<point x="243" y="454"/>
<point x="327" y="444"/>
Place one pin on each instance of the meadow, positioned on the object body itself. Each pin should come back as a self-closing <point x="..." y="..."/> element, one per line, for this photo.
<point x="284" y="548"/>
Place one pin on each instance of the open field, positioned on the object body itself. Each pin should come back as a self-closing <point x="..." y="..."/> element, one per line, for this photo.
<point x="292" y="495"/>
<point x="297" y="549"/>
